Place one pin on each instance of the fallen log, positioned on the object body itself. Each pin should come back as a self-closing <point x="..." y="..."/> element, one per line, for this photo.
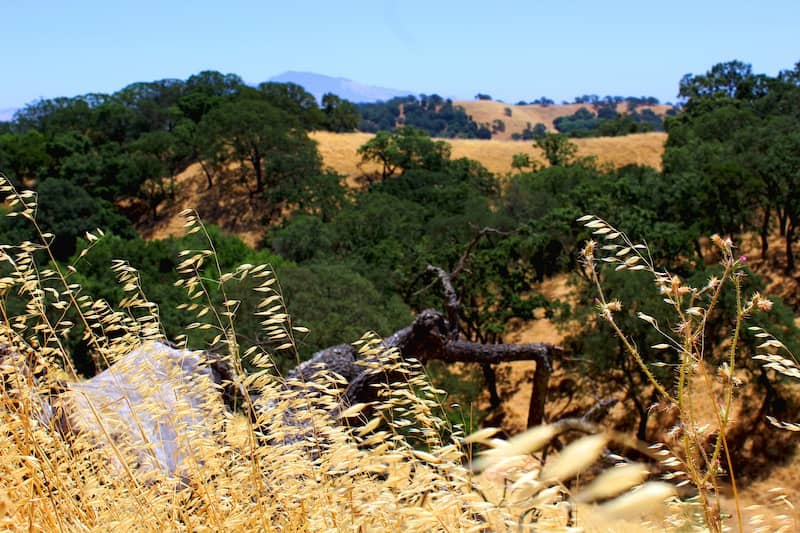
<point x="430" y="338"/>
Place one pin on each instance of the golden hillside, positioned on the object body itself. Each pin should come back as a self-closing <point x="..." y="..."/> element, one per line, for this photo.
<point x="339" y="151"/>
<point x="223" y="205"/>
<point x="486" y="111"/>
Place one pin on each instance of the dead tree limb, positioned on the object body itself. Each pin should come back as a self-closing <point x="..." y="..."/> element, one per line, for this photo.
<point x="434" y="337"/>
<point x="451" y="301"/>
<point x="464" y="259"/>
<point x="428" y="339"/>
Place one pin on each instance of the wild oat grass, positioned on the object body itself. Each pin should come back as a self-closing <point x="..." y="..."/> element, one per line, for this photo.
<point x="149" y="446"/>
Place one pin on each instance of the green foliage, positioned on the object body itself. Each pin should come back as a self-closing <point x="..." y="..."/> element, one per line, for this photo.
<point x="399" y="226"/>
<point x="498" y="126"/>
<point x="323" y="194"/>
<point x="530" y="132"/>
<point x="733" y="80"/>
<point x="156" y="263"/>
<point x="23" y="157"/>
<point x="207" y="90"/>
<point x="338" y="305"/>
<point x="734" y="146"/>
<point x="129" y="146"/>
<point x="607" y="122"/>
<point x="405" y="149"/>
<point x="625" y="124"/>
<point x="67" y="211"/>
<point x="340" y="115"/>
<point x="272" y="151"/>
<point x="579" y="124"/>
<point x="558" y="150"/>
<point x="295" y="101"/>
<point x="522" y="161"/>
<point x="543" y="101"/>
<point x="434" y="115"/>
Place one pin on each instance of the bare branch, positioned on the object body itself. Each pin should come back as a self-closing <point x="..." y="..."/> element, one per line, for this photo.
<point x="451" y="301"/>
<point x="464" y="259"/>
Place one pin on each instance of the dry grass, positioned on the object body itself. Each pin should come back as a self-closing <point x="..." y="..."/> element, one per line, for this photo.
<point x="485" y="112"/>
<point x="339" y="151"/>
<point x="708" y="392"/>
<point x="149" y="447"/>
<point x="230" y="206"/>
<point x="161" y="453"/>
<point x="765" y="502"/>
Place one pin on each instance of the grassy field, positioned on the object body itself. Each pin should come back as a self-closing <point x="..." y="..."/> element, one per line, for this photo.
<point x="221" y="205"/>
<point x="485" y="112"/>
<point x="339" y="151"/>
<point x="149" y="446"/>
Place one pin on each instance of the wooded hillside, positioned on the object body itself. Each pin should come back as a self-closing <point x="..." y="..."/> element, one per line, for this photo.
<point x="666" y="316"/>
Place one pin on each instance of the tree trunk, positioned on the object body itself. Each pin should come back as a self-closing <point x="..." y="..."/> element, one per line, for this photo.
<point x="256" y="161"/>
<point x="765" y="233"/>
<point x="539" y="393"/>
<point x="491" y="384"/>
<point x="641" y="428"/>
<point x="428" y="338"/>
<point x="789" y="239"/>
<point x="207" y="172"/>
<point x="698" y="249"/>
<point x="782" y="222"/>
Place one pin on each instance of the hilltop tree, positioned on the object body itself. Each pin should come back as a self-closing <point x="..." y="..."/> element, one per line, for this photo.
<point x="734" y="148"/>
<point x="268" y="146"/>
<point x="155" y="103"/>
<point x="340" y="115"/>
<point x="205" y="91"/>
<point x="558" y="149"/>
<point x="294" y="100"/>
<point x="434" y="115"/>
<point x="732" y="80"/>
<point x="404" y="149"/>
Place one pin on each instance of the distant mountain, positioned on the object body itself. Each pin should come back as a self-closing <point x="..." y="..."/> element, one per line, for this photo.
<point x="7" y="113"/>
<point x="318" y="84"/>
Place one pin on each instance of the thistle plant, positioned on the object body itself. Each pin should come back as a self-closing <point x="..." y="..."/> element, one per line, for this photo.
<point x="698" y="368"/>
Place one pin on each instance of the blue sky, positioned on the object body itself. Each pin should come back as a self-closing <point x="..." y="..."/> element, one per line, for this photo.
<point x="512" y="50"/>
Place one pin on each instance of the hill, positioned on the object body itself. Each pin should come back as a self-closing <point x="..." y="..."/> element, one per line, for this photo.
<point x="487" y="111"/>
<point x="338" y="150"/>
<point x="319" y="84"/>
